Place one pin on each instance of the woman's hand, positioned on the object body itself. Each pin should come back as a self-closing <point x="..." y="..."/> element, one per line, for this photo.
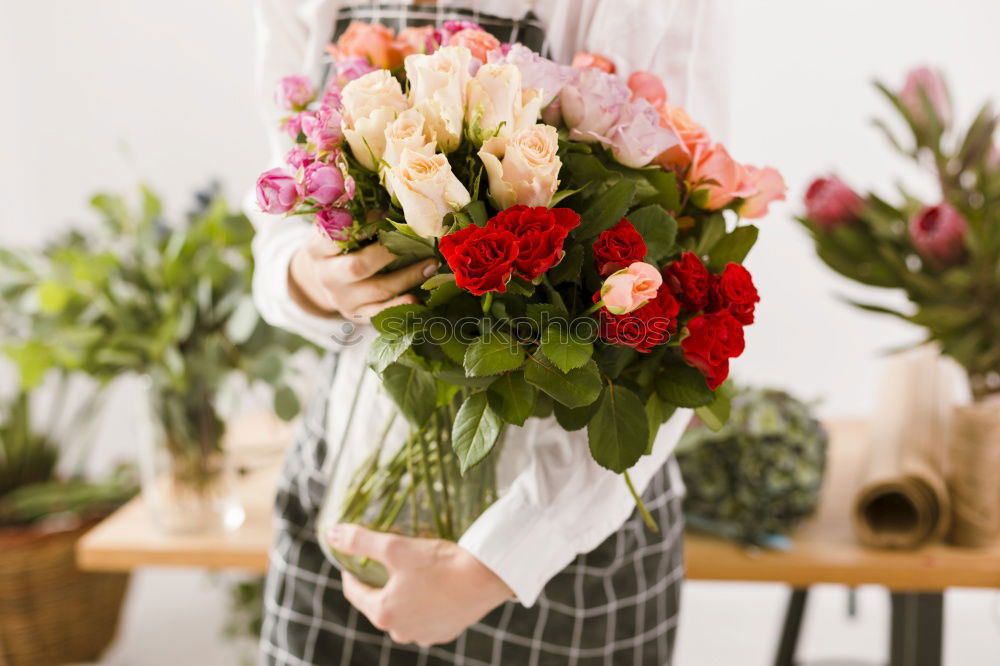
<point x="436" y="589"/>
<point x="325" y="282"/>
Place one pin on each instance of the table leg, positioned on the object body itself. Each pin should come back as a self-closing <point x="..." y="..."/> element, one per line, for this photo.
<point x="793" y="624"/>
<point x="917" y="626"/>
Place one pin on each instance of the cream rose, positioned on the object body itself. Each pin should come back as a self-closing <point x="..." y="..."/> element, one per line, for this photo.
<point x="525" y="170"/>
<point x="437" y="90"/>
<point x="427" y="190"/>
<point x="497" y="107"/>
<point x="405" y="132"/>
<point x="370" y="103"/>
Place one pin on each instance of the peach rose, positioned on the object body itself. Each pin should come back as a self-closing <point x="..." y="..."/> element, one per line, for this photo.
<point x="479" y="42"/>
<point x="369" y="40"/>
<point x="593" y="61"/>
<point x="631" y="288"/>
<point x="767" y="185"/>
<point x="690" y="135"/>
<point x="715" y="172"/>
<point x="648" y="86"/>
<point x="524" y="169"/>
<point x="412" y="40"/>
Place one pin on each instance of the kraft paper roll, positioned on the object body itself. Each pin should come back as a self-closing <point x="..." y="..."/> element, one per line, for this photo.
<point x="903" y="501"/>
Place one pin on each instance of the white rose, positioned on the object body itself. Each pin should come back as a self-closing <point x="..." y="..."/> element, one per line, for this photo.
<point x="405" y="132"/>
<point x="427" y="190"/>
<point x="370" y="102"/>
<point x="525" y="170"/>
<point x="437" y="91"/>
<point x="497" y="107"/>
<point x="637" y="138"/>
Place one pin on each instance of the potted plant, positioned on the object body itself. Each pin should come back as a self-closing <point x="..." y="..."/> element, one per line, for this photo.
<point x="946" y="258"/>
<point x="171" y="304"/>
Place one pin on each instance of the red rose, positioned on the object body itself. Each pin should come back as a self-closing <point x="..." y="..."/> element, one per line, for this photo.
<point x="618" y="247"/>
<point x="481" y="258"/>
<point x="712" y="340"/>
<point x="734" y="291"/>
<point x="641" y="329"/>
<point x="689" y="281"/>
<point x="540" y="234"/>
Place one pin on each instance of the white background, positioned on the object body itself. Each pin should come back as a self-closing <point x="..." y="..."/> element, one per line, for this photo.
<point x="101" y="94"/>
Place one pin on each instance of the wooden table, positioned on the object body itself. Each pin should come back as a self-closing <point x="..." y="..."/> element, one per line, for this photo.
<point x="824" y="551"/>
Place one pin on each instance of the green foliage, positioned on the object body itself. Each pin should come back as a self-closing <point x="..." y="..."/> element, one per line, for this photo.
<point x="618" y="432"/>
<point x="475" y="430"/>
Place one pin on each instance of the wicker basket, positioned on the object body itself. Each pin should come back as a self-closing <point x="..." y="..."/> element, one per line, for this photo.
<point x="50" y="611"/>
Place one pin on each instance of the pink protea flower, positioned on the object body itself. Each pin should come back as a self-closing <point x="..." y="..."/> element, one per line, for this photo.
<point x="830" y="202"/>
<point x="931" y="81"/>
<point x="938" y="234"/>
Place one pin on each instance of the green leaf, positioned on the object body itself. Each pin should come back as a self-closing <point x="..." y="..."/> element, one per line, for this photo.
<point x="712" y="230"/>
<point x="386" y="350"/>
<point x="53" y="296"/>
<point x="658" y="229"/>
<point x="453" y="347"/>
<point x="563" y="194"/>
<point x="242" y="322"/>
<point x="443" y="294"/>
<point x="575" y="388"/>
<point x="408" y="248"/>
<point x="612" y="359"/>
<point x="657" y="413"/>
<point x="733" y="247"/>
<point x="413" y="389"/>
<point x="475" y="431"/>
<point x="715" y="414"/>
<point x="606" y="210"/>
<point x="286" y="403"/>
<point x="543" y="315"/>
<point x="400" y="319"/>
<point x="564" y="350"/>
<point x="568" y="269"/>
<point x="477" y="212"/>
<point x="512" y="397"/>
<point x="683" y="385"/>
<point x="572" y="419"/>
<point x="457" y="376"/>
<point x="437" y="280"/>
<point x="492" y="354"/>
<point x="665" y="185"/>
<point x="618" y="432"/>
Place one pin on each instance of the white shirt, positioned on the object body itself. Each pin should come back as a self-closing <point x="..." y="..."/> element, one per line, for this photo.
<point x="560" y="503"/>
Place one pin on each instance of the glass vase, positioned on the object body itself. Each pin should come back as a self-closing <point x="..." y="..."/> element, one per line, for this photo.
<point x="188" y="482"/>
<point x="387" y="475"/>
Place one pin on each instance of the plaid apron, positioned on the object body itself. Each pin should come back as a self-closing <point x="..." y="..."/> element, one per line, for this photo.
<point x="615" y="605"/>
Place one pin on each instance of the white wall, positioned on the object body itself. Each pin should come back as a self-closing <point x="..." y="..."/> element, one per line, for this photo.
<point x="103" y="93"/>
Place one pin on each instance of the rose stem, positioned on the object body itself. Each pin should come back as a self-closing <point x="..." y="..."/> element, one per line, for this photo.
<point x="650" y="523"/>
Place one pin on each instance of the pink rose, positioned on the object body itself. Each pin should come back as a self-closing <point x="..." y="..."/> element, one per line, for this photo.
<point x="479" y="42"/>
<point x="536" y="72"/>
<point x="932" y="83"/>
<point x="767" y="185"/>
<point x="292" y="125"/>
<point x="593" y="61"/>
<point x="277" y="191"/>
<point x="349" y="69"/>
<point x="413" y="40"/>
<point x="637" y="136"/>
<point x="323" y="129"/>
<point x="630" y="288"/>
<point x="294" y="93"/>
<point x="938" y="234"/>
<point x="715" y="172"/>
<point x="331" y="94"/>
<point x="690" y="137"/>
<point x="299" y="157"/>
<point x="334" y="222"/>
<point x="830" y="202"/>
<point x="592" y="104"/>
<point x="649" y="87"/>
<point x="369" y="40"/>
<point x="442" y="36"/>
<point x="323" y="183"/>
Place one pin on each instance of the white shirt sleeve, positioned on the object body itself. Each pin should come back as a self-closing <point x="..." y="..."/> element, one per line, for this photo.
<point x="289" y="42"/>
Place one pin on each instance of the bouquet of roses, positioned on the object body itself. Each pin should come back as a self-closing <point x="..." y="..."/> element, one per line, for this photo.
<point x="588" y="267"/>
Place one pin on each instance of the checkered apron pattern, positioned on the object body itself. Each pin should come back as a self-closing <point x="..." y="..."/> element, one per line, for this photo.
<point x="614" y="606"/>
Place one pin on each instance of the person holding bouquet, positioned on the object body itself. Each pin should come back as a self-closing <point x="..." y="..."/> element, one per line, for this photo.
<point x="561" y="571"/>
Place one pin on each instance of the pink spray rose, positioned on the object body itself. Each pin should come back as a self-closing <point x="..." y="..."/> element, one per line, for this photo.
<point x="690" y="137"/>
<point x="334" y="222"/>
<point x="647" y="86"/>
<point x="536" y="72"/>
<point x="323" y="129"/>
<point x="767" y="185"/>
<point x="294" y="93"/>
<point x="442" y="36"/>
<point x="932" y="83"/>
<point x="349" y="69"/>
<point x="830" y="202"/>
<point x="323" y="183"/>
<point x="938" y="234"/>
<point x="630" y="288"/>
<point x="292" y="125"/>
<point x="637" y="136"/>
<point x="299" y="157"/>
<point x="714" y="171"/>
<point x="593" y="61"/>
<point x="479" y="42"/>
<point x="277" y="191"/>
<point x="592" y="104"/>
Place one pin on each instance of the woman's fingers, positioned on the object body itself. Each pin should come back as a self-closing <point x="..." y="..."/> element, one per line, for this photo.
<point x="363" y="313"/>
<point x="361" y="542"/>
<point x="381" y="287"/>
<point x="319" y="246"/>
<point x="362" y="264"/>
